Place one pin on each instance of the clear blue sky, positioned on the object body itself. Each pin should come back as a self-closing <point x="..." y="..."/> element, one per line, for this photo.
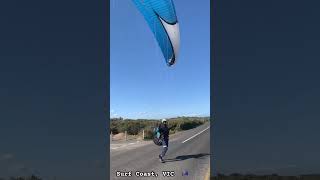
<point x="142" y="86"/>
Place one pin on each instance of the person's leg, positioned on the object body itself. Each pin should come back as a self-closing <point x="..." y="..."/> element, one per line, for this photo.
<point x="165" y="148"/>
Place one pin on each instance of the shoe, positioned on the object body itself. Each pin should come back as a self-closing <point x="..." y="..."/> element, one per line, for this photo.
<point x="160" y="158"/>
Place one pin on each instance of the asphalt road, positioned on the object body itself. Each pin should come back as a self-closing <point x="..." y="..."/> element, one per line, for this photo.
<point x="189" y="151"/>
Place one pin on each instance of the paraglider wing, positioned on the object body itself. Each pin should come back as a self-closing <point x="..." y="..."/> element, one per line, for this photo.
<point x="162" y="20"/>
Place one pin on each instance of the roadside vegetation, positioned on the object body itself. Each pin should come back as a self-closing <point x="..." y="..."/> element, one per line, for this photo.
<point x="135" y="127"/>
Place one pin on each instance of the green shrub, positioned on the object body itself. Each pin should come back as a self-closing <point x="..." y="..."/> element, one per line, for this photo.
<point x="148" y="133"/>
<point x="133" y="128"/>
<point x="190" y="125"/>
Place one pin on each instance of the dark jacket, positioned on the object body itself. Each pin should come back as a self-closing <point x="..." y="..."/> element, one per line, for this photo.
<point x="164" y="131"/>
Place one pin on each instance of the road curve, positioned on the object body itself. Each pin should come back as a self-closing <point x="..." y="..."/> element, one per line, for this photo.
<point x="189" y="151"/>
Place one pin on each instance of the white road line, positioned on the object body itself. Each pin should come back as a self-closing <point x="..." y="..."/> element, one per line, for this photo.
<point x="195" y="135"/>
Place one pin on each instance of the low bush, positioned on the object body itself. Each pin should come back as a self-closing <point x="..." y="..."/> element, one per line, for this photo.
<point x="190" y="125"/>
<point x="148" y="134"/>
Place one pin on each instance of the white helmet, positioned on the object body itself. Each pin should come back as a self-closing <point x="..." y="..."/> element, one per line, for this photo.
<point x="163" y="120"/>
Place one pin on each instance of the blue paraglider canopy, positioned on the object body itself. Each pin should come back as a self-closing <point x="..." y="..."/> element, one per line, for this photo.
<point x="162" y="20"/>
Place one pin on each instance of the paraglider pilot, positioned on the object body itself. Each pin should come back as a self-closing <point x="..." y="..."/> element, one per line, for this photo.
<point x="164" y="135"/>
